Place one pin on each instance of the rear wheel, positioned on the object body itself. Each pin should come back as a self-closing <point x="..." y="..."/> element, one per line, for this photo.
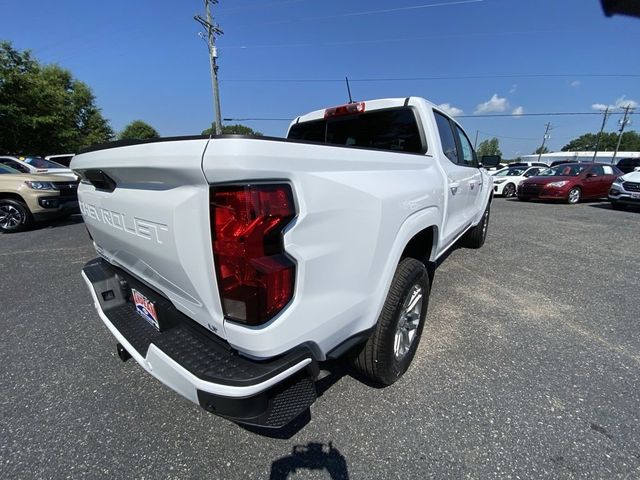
<point x="475" y="237"/>
<point x="391" y="347"/>
<point x="509" y="190"/>
<point x="14" y="215"/>
<point x="574" y="195"/>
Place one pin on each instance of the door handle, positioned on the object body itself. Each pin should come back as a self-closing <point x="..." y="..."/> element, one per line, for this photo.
<point x="454" y="187"/>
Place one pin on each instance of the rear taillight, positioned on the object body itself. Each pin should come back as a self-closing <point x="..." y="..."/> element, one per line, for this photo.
<point x="255" y="276"/>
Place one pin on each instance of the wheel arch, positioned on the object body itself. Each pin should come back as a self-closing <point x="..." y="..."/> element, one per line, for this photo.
<point x="12" y="196"/>
<point x="422" y="247"/>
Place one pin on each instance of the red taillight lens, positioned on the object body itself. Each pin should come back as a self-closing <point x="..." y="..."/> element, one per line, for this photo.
<point x="255" y="277"/>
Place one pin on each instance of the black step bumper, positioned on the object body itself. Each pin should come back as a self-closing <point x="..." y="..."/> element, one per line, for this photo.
<point x="196" y="363"/>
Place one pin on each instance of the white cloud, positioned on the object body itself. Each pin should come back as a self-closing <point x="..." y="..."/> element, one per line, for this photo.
<point x="620" y="103"/>
<point x="575" y="83"/>
<point x="518" y="111"/>
<point x="494" y="104"/>
<point x="450" y="109"/>
<point x="514" y="87"/>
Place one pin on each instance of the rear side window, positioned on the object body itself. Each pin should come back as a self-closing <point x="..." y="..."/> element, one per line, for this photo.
<point x="393" y="129"/>
<point x="607" y="170"/>
<point x="449" y="146"/>
<point x="597" y="169"/>
<point x="466" y="157"/>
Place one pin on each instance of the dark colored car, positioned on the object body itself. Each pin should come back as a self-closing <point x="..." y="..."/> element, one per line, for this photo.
<point x="628" y="165"/>
<point x="527" y="164"/>
<point x="570" y="182"/>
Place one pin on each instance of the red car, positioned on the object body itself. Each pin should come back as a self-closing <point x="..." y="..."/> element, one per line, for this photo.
<point x="570" y="182"/>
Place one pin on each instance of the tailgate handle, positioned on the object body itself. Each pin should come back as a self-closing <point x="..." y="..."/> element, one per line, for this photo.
<point x="99" y="179"/>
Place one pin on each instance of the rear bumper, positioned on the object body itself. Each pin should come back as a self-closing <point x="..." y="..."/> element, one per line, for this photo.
<point x="196" y="363"/>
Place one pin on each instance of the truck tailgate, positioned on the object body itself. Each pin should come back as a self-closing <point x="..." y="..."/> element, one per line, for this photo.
<point x="150" y="217"/>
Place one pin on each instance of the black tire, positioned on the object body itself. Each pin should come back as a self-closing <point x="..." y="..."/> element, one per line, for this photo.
<point x="382" y="360"/>
<point x="475" y="237"/>
<point x="575" y="195"/>
<point x="509" y="190"/>
<point x="14" y="215"/>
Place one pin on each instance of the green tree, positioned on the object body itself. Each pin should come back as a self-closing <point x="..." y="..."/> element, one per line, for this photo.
<point x="540" y="150"/>
<point x="138" y="130"/>
<point x="43" y="109"/>
<point x="489" y="147"/>
<point x="236" y="129"/>
<point x="630" y="142"/>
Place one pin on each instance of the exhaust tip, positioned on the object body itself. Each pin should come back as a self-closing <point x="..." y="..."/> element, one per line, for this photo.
<point x="122" y="353"/>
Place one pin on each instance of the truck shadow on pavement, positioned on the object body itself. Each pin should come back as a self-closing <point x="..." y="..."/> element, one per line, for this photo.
<point x="334" y="371"/>
<point x="310" y="457"/>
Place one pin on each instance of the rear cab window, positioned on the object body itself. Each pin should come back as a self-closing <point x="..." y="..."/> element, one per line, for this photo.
<point x="390" y="129"/>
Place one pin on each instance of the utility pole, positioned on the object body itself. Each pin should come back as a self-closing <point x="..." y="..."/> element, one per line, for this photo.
<point x="604" y="120"/>
<point x="623" y="123"/>
<point x="212" y="30"/>
<point x="544" y="139"/>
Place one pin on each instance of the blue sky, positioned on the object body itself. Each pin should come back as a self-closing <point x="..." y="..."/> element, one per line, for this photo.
<point x="144" y="59"/>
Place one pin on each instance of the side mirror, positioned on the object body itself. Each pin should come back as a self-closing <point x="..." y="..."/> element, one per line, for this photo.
<point x="490" y="161"/>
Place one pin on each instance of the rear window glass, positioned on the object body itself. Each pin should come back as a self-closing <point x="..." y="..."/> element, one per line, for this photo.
<point x="394" y="129"/>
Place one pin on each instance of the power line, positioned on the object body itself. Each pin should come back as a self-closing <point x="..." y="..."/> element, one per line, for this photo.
<point x="377" y="12"/>
<point x="406" y="39"/>
<point x="487" y="115"/>
<point x="443" y="77"/>
<point x="503" y="136"/>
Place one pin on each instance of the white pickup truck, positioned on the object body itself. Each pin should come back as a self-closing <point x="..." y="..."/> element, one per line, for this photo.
<point x="231" y="267"/>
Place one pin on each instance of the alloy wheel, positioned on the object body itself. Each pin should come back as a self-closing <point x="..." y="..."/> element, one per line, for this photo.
<point x="10" y="217"/>
<point x="408" y="323"/>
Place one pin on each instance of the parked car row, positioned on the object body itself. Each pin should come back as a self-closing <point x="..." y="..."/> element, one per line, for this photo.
<point x="569" y="182"/>
<point x="34" y="164"/>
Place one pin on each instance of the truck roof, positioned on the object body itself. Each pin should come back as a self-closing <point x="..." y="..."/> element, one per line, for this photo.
<point x="375" y="104"/>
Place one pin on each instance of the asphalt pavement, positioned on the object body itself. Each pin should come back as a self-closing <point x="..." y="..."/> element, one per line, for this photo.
<point x="529" y="367"/>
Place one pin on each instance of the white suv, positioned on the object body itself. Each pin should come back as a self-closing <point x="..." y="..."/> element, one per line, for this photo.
<point x="625" y="190"/>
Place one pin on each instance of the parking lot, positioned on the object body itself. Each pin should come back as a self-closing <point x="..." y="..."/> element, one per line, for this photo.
<point x="529" y="367"/>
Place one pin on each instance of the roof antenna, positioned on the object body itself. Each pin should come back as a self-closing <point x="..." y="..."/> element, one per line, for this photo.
<point x="346" y="79"/>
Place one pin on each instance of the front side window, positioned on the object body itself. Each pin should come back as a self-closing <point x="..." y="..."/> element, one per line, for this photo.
<point x="7" y="170"/>
<point x="563" y="171"/>
<point x="15" y="165"/>
<point x="449" y="146"/>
